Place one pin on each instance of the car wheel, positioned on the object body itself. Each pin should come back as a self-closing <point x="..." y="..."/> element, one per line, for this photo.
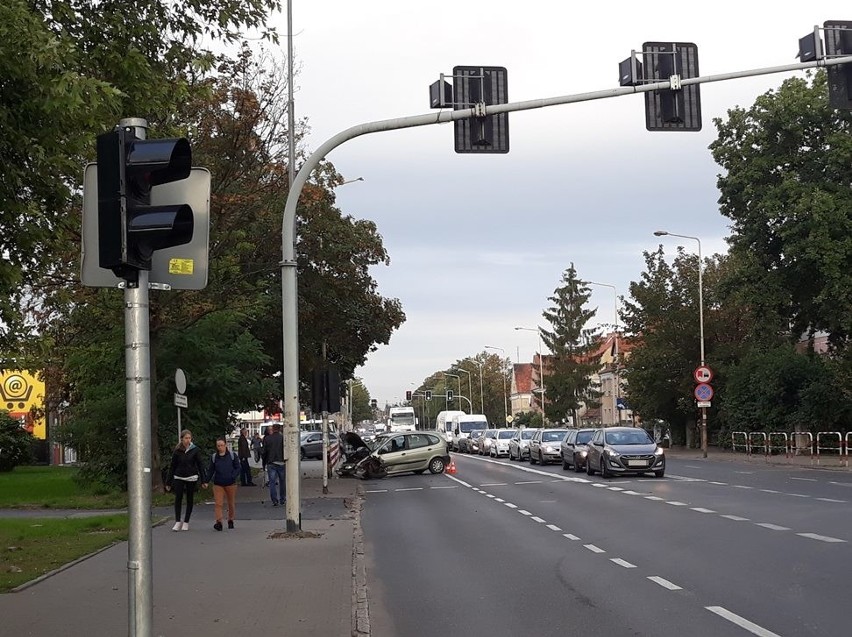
<point x="605" y="472"/>
<point x="436" y="465"/>
<point x="302" y="455"/>
<point x="531" y="458"/>
<point x="564" y="464"/>
<point x="577" y="467"/>
<point x="659" y="474"/>
<point x="589" y="470"/>
<point x="541" y="458"/>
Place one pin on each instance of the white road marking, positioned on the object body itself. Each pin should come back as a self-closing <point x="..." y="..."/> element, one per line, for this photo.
<point x="410" y="489"/>
<point x="692" y="466"/>
<point x="675" y="503"/>
<point x="742" y="486"/>
<point x="770" y="491"/>
<point x="499" y="500"/>
<point x="839" y="484"/>
<point x="570" y="536"/>
<point x="654" y="498"/>
<point x="735" y="518"/>
<point x="821" y="538"/>
<point x="797" y="495"/>
<point x="703" y="510"/>
<point x="461" y="482"/>
<point x="632" y="493"/>
<point x="664" y="583"/>
<point x="553" y="527"/>
<point x="686" y="478"/>
<point x="747" y="473"/>
<point x="721" y="484"/>
<point x="510" y="505"/>
<point x="621" y="562"/>
<point x="594" y="549"/>
<point x="742" y="622"/>
<point x="488" y="495"/>
<point x="599" y="485"/>
<point x="452" y="486"/>
<point x="493" y="484"/>
<point x="805" y="479"/>
<point x="524" y="512"/>
<point x="831" y="500"/>
<point x="377" y="491"/>
<point x="772" y="527"/>
<point x="537" y="519"/>
<point x="530" y="482"/>
<point x="615" y="489"/>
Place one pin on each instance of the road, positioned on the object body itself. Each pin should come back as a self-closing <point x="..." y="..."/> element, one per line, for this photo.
<point x="715" y="548"/>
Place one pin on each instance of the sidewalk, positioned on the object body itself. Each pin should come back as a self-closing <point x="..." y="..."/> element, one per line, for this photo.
<point x="213" y="583"/>
<point x="829" y="462"/>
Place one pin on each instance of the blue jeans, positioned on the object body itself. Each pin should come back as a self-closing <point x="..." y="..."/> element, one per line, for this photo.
<point x="277" y="488"/>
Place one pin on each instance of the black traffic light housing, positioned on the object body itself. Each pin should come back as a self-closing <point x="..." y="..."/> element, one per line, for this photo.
<point x="325" y="391"/>
<point x="130" y="229"/>
<point x="428" y="393"/>
<point x="673" y="109"/>
<point x="449" y="394"/>
<point x="408" y="395"/>
<point x="838" y="42"/>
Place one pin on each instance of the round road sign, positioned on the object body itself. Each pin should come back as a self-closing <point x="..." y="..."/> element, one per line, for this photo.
<point x="703" y="392"/>
<point x="702" y="374"/>
<point x="180" y="381"/>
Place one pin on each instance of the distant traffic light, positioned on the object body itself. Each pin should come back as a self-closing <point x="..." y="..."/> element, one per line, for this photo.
<point x="408" y="395"/>
<point x="130" y="229"/>
<point x="428" y="394"/>
<point x="449" y="394"/>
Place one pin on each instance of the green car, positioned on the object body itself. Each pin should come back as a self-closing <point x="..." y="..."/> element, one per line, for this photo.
<point x="414" y="451"/>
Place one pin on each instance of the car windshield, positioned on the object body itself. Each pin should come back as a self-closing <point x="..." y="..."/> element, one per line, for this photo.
<point x="637" y="437"/>
<point x="584" y="437"/>
<point x="506" y="434"/>
<point x="477" y="434"/>
<point x="552" y="436"/>
<point x="469" y="426"/>
<point x="527" y="434"/>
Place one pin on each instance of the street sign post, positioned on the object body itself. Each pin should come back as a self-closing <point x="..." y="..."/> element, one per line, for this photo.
<point x="702" y="374"/>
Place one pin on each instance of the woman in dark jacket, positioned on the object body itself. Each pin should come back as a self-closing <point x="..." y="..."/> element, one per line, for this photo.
<point x="223" y="472"/>
<point x="185" y="472"/>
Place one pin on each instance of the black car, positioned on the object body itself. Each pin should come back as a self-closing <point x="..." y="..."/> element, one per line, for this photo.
<point x="575" y="448"/>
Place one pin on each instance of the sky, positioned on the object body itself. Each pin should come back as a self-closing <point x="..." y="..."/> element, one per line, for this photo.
<point x="478" y="243"/>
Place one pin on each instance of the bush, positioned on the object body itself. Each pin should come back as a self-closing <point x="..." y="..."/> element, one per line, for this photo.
<point x="15" y="443"/>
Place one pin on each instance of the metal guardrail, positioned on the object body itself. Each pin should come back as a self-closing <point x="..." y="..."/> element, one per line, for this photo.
<point x="743" y="437"/>
<point x="824" y="440"/>
<point x="794" y="444"/>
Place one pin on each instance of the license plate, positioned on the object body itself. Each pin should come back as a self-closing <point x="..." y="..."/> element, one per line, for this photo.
<point x="637" y="463"/>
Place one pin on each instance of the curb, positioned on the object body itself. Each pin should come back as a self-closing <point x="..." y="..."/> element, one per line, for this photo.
<point x="360" y="604"/>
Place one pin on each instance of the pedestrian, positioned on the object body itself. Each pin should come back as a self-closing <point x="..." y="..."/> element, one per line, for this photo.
<point x="244" y="453"/>
<point x="224" y="468"/>
<point x="273" y="460"/>
<point x="185" y="472"/>
<point x="256" y="446"/>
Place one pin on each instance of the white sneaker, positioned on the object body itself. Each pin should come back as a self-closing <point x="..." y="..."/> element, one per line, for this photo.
<point x="177" y="526"/>
<point x="184" y="526"/>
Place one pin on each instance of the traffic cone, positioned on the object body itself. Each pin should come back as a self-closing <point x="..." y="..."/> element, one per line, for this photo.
<point x="451" y="468"/>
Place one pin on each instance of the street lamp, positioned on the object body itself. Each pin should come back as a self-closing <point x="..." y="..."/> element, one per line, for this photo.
<point x="664" y="233"/>
<point x="540" y="365"/>
<point x="469" y="383"/>
<point x="481" y="400"/>
<point x="615" y="410"/>
<point x="349" y="181"/>
<point x="503" y="374"/>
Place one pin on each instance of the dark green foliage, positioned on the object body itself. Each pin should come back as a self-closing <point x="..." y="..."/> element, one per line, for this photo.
<point x="15" y="443"/>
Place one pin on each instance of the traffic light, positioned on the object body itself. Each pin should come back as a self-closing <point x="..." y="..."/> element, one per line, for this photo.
<point x="677" y="108"/>
<point x="130" y="229"/>
<point x="449" y="394"/>
<point x="428" y="394"/>
<point x="408" y="395"/>
<point x="838" y="42"/>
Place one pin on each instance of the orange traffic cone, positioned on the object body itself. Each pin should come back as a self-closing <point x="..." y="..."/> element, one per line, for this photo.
<point x="451" y="468"/>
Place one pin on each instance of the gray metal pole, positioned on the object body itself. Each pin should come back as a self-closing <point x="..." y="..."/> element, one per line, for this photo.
<point x="289" y="298"/>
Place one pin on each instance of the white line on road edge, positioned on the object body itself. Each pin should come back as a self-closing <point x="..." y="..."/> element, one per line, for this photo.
<point x="664" y="583"/>
<point x="510" y="505"/>
<point x="594" y="549"/>
<point x="702" y="510"/>
<point x="489" y="495"/>
<point x="675" y="503"/>
<point x="570" y="536"/>
<point x="553" y="527"/>
<point x="821" y="538"/>
<point x="537" y="519"/>
<point x="621" y="562"/>
<point x="524" y="512"/>
<point x="742" y="622"/>
<point x="831" y="500"/>
<point x="499" y="500"/>
<point x="772" y="527"/>
<point x="735" y="518"/>
<point x="654" y="498"/>
<point x="461" y="482"/>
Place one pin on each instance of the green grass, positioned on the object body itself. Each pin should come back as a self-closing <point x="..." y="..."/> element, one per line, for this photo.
<point x="30" y="547"/>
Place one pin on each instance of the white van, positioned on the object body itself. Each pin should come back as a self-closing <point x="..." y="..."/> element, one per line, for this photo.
<point x="444" y="425"/>
<point x="463" y="424"/>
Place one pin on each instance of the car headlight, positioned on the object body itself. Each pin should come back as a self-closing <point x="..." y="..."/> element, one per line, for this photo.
<point x="611" y="452"/>
<point x="658" y="451"/>
<point x="549" y="449"/>
<point x="584" y="453"/>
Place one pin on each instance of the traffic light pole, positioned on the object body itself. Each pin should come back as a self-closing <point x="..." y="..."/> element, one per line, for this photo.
<point x="289" y="296"/>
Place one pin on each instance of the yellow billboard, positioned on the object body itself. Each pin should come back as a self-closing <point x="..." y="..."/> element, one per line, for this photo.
<point x="22" y="395"/>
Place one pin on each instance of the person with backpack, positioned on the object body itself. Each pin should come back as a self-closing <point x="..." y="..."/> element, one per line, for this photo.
<point x="185" y="471"/>
<point x="223" y="471"/>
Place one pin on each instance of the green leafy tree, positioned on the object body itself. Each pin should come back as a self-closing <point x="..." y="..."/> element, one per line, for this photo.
<point x="15" y="443"/>
<point x="530" y="419"/>
<point x="361" y="409"/>
<point x="568" y="378"/>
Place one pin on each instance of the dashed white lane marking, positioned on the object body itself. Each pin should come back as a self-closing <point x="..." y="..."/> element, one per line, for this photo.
<point x="499" y="500"/>
<point x="632" y="493"/>
<point x="553" y="527"/>
<point x="615" y="489"/>
<point x="451" y="486"/>
<point x="839" y="484"/>
<point x="377" y="491"/>
<point x="654" y="498"/>
<point x="742" y="622"/>
<point x="410" y="489"/>
<point x="797" y="495"/>
<point x="747" y="473"/>
<point x="493" y="484"/>
<point x="489" y="495"/>
<point x="510" y="505"/>
<point x="721" y="484"/>
<point x="770" y="491"/>
<point x="703" y="510"/>
<point x="735" y="518"/>
<point x="821" y="538"/>
<point x="594" y="549"/>
<point x="599" y="485"/>
<point x="742" y="486"/>
<point x="621" y="562"/>
<point x="772" y="527"/>
<point x="805" y="479"/>
<point x="524" y="512"/>
<point x="570" y="536"/>
<point x="675" y="503"/>
<point x="664" y="583"/>
<point x="530" y="482"/>
<point x="537" y="519"/>
<point x="831" y="500"/>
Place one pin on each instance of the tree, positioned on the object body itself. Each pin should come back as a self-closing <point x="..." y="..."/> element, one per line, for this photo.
<point x="15" y="442"/>
<point x="568" y="379"/>
<point x="788" y="166"/>
<point x="361" y="409"/>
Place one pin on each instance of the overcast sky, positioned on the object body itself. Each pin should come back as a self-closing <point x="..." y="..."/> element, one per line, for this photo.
<point x="478" y="243"/>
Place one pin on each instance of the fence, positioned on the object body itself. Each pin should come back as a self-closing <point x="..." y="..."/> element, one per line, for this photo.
<point x="825" y="445"/>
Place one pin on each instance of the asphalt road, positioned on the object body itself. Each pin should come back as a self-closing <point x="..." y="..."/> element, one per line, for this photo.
<point x="715" y="548"/>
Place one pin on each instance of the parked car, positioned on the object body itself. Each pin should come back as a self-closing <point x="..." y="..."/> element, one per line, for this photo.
<point x="472" y="443"/>
<point x="574" y="449"/>
<point x="414" y="451"/>
<point x="624" y="450"/>
<point x="487" y="441"/>
<point x="544" y="445"/>
<point x="519" y="448"/>
<point x="311" y="444"/>
<point x="500" y="443"/>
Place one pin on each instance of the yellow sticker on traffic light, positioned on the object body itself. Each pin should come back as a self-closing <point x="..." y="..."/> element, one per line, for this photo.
<point x="181" y="266"/>
<point x="22" y="395"/>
